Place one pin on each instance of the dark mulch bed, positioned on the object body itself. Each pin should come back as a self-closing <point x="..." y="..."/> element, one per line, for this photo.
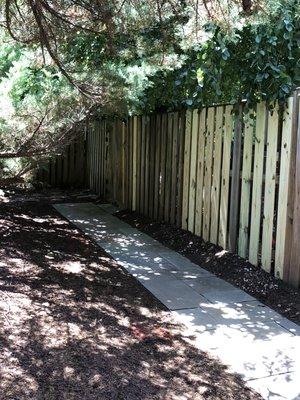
<point x="226" y="265"/>
<point x="74" y="325"/>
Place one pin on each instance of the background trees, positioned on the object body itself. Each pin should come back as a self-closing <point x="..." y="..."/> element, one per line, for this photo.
<point x="63" y="60"/>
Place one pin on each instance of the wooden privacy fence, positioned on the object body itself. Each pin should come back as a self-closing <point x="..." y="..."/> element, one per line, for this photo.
<point x="231" y="178"/>
<point x="67" y="169"/>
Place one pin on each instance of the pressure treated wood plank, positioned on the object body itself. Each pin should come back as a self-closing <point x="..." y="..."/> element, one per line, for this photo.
<point x="126" y="162"/>
<point x="163" y="165"/>
<point x="246" y="186"/>
<point x="174" y="181"/>
<point x="186" y="169"/>
<point x="152" y="166"/>
<point x="98" y="158"/>
<point x="285" y="157"/>
<point x="147" y="159"/>
<point x="200" y="171"/>
<point x="208" y="172"/>
<point x="65" y="167"/>
<point x="143" y="151"/>
<point x="294" y="268"/>
<point x="181" y="141"/>
<point x="81" y="166"/>
<point x="157" y="167"/>
<point x="227" y="143"/>
<point x="168" y="167"/>
<point x="71" y="166"/>
<point x="291" y="189"/>
<point x="130" y="158"/>
<point x="138" y="164"/>
<point x="119" y="161"/>
<point x="134" y="163"/>
<point x="216" y="184"/>
<point x="89" y="156"/>
<point x="193" y="171"/>
<point x="100" y="127"/>
<point x="257" y="183"/>
<point x="93" y="157"/>
<point x="235" y="183"/>
<point x="103" y="144"/>
<point x="121" y="170"/>
<point x="105" y="158"/>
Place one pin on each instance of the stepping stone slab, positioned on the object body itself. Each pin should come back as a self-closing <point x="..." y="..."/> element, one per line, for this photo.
<point x="254" y="350"/>
<point x="239" y="313"/>
<point x="278" y="387"/>
<point x="173" y="293"/>
<point x="217" y="290"/>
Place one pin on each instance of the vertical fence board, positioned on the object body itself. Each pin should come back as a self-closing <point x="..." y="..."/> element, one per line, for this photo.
<point x="143" y="144"/>
<point x="126" y="162"/>
<point x="138" y="165"/>
<point x="208" y="172"/>
<point x="269" y="197"/>
<point x="152" y="165"/>
<point x="246" y="187"/>
<point x="98" y="132"/>
<point x="174" y="177"/>
<point x="163" y="165"/>
<point x="89" y="153"/>
<point x="181" y="141"/>
<point x="120" y="161"/>
<point x="103" y="135"/>
<point x="200" y="171"/>
<point x="157" y="166"/>
<point x="235" y="183"/>
<point x="147" y="131"/>
<point x="257" y="183"/>
<point x="286" y="142"/>
<point x="168" y="167"/>
<point x="216" y="176"/>
<point x="130" y="158"/>
<point x="294" y="269"/>
<point x="227" y="142"/>
<point x="186" y="169"/>
<point x="66" y="167"/>
<point x="134" y="163"/>
<point x="193" y="172"/>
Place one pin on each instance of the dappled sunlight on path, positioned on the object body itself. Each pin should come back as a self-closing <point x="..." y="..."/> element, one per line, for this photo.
<point x="74" y="325"/>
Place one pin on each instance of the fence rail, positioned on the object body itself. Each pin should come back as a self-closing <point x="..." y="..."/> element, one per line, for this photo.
<point x="232" y="178"/>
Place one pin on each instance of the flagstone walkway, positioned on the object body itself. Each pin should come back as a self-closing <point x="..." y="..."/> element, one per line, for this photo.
<point x="251" y="338"/>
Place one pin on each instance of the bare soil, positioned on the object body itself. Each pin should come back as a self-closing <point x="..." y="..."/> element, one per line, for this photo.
<point x="230" y="267"/>
<point x="75" y="325"/>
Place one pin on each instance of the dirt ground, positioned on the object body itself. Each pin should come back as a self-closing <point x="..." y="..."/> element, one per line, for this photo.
<point x="75" y="325"/>
<point x="228" y="266"/>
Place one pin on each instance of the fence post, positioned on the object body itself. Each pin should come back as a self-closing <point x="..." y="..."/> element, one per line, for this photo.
<point x="292" y="248"/>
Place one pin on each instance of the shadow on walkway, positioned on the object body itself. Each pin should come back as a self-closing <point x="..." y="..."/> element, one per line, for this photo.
<point x="74" y="325"/>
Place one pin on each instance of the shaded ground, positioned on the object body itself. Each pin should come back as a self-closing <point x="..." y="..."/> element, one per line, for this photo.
<point x="74" y="325"/>
<point x="228" y="266"/>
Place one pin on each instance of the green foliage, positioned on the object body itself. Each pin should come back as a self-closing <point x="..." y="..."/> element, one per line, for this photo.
<point x="146" y="61"/>
<point x="35" y="83"/>
<point x="254" y="62"/>
<point x="8" y="55"/>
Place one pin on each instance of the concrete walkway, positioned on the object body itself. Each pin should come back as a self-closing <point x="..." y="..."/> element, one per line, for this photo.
<point x="251" y="338"/>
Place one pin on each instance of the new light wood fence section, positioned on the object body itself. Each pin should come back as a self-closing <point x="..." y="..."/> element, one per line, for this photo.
<point x="225" y="173"/>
